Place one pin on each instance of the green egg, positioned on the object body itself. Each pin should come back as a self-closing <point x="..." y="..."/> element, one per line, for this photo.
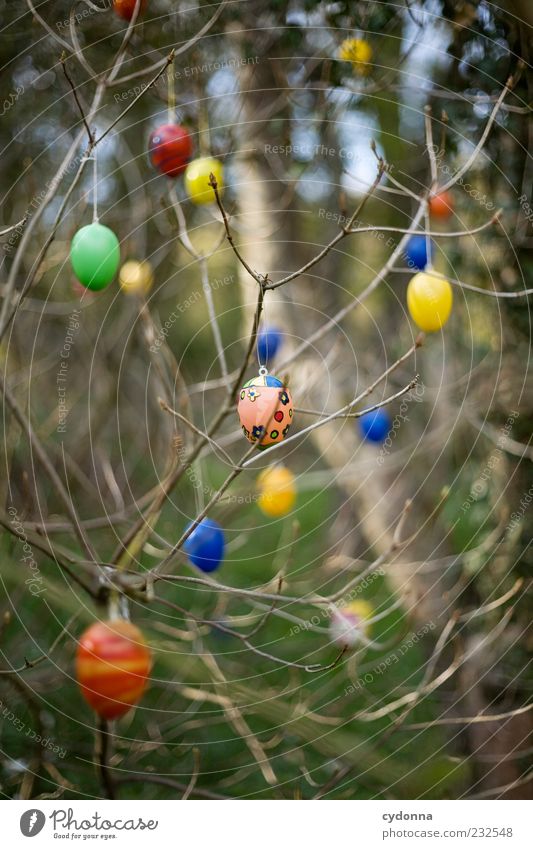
<point x="95" y="256"/>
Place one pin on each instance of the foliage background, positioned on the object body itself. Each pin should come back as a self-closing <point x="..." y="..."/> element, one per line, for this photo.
<point x="282" y="85"/>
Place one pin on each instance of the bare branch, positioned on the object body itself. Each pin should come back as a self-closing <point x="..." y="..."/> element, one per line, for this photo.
<point x="76" y="98"/>
<point x="481" y="143"/>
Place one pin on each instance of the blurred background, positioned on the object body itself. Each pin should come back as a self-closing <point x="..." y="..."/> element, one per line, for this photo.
<point x="269" y="91"/>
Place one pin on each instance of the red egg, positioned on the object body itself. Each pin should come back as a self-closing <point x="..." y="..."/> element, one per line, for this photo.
<point x="112" y="666"/>
<point x="80" y="291"/>
<point x="126" y="8"/>
<point x="265" y="410"/>
<point x="170" y="149"/>
<point x="441" y="206"/>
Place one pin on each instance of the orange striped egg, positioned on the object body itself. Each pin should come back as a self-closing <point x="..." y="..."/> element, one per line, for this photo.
<point x="112" y="665"/>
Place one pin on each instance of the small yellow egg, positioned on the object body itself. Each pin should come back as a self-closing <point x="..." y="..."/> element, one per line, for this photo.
<point x="360" y="608"/>
<point x="197" y="176"/>
<point x="277" y="491"/>
<point x="429" y="301"/>
<point x="359" y="53"/>
<point x="136" y="277"/>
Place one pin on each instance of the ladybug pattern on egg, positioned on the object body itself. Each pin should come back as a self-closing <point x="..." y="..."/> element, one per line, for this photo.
<point x="265" y="410"/>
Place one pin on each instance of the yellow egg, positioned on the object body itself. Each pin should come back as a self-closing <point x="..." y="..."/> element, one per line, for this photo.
<point x="197" y="176"/>
<point x="429" y="301"/>
<point x="358" y="52"/>
<point x="136" y="277"/>
<point x="360" y="608"/>
<point x="277" y="491"/>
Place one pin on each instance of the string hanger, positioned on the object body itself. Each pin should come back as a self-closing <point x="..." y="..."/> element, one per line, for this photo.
<point x="171" y="97"/>
<point x="93" y="157"/>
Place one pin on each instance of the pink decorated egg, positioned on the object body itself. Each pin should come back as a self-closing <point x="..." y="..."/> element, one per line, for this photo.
<point x="265" y="410"/>
<point x="349" y="623"/>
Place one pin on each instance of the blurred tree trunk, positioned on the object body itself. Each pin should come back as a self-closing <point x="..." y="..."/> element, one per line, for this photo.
<point x="487" y="681"/>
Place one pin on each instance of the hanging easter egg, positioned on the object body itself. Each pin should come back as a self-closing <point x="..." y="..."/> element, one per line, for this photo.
<point x="265" y="410"/>
<point x="113" y="663"/>
<point x="205" y="546"/>
<point x="95" y="256"/>
<point x="441" y="206"/>
<point x="269" y="340"/>
<point x="358" y="52"/>
<point x="349" y="624"/>
<point x="416" y="251"/>
<point x="170" y="149"/>
<point x="277" y="491"/>
<point x="126" y="8"/>
<point x="197" y="176"/>
<point x="429" y="301"/>
<point x="136" y="278"/>
<point x="375" y="425"/>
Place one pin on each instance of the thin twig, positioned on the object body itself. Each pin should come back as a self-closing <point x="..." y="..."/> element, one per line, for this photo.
<point x="481" y="143"/>
<point x="29" y="664"/>
<point x="21" y="223"/>
<point x="50" y="470"/>
<point x="164" y="406"/>
<point x="468" y="720"/>
<point x="329" y="417"/>
<point x="169" y="60"/>
<point x="490" y="293"/>
<point x="259" y="278"/>
<point x="345" y="231"/>
<point x="150" y="778"/>
<point x="345" y="311"/>
<point x="176" y="50"/>
<point x="51" y="32"/>
<point x="76" y="98"/>
<point x="430" y="148"/>
<point x="103" y="751"/>
<point x="218" y="626"/>
<point x="195" y="773"/>
<point x="433" y="233"/>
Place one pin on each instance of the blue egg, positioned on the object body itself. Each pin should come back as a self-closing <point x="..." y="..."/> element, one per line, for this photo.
<point x="416" y="251"/>
<point x="218" y="633"/>
<point x="269" y="341"/>
<point x="205" y="546"/>
<point x="375" y="425"/>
